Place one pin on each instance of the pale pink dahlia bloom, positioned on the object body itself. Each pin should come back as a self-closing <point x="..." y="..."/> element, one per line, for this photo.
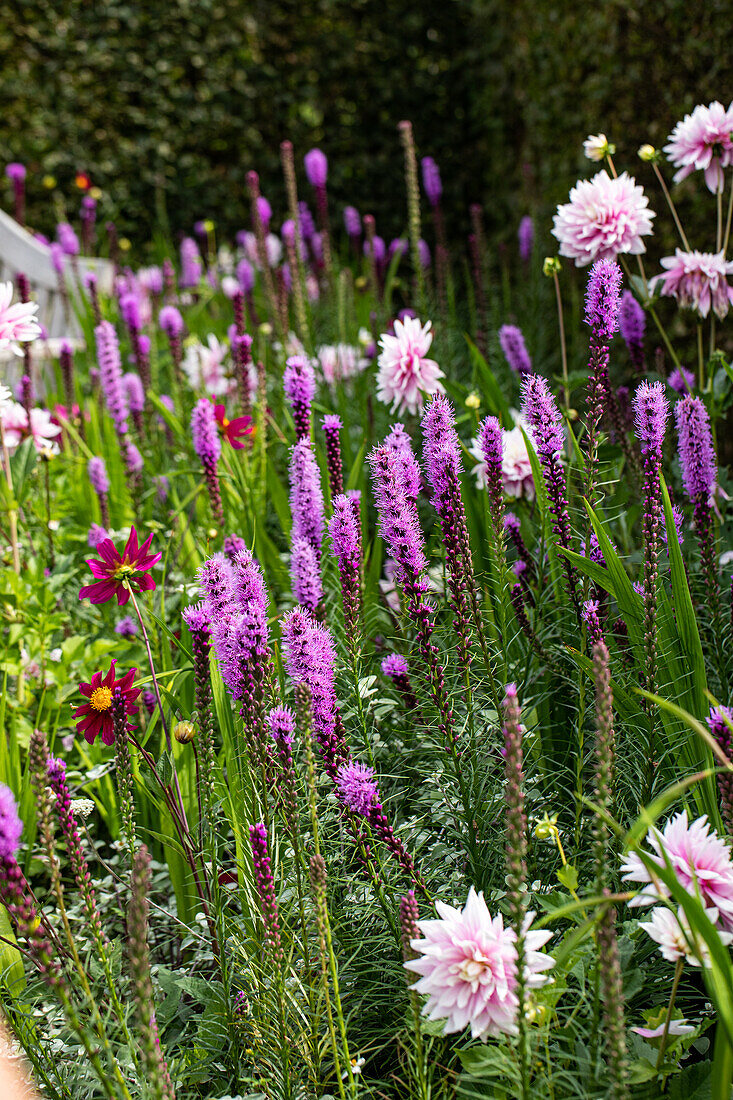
<point x="18" y="322"/>
<point x="16" y="428"/>
<point x="698" y="280"/>
<point x="340" y="361"/>
<point x="204" y="367"/>
<point x="699" y="858"/>
<point x="468" y="968"/>
<point x="406" y="376"/>
<point x="677" y="940"/>
<point x="604" y="217"/>
<point x="703" y="141"/>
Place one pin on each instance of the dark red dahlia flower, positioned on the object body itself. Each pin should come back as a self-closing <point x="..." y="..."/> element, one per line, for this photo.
<point x="96" y="715"/>
<point x="118" y="573"/>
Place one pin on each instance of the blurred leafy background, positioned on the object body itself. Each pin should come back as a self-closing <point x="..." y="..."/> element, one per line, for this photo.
<point x="168" y="104"/>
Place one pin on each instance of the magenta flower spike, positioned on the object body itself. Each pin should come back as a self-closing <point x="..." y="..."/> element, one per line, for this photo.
<point x="345" y="535"/>
<point x="632" y="325"/>
<point x="299" y="385"/>
<point x="515" y="350"/>
<point x="207" y="445"/>
<point x="525" y="236"/>
<point x="699" y="475"/>
<point x="306" y="496"/>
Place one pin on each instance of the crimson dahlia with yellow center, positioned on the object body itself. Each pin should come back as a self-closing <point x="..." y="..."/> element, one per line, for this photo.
<point x="95" y="717"/>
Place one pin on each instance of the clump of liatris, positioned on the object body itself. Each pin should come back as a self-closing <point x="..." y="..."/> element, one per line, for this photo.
<point x="207" y="445"/>
<point x="346" y="544"/>
<point x="543" y="416"/>
<point x="100" y="483"/>
<point x="515" y="350"/>
<point x="632" y="323"/>
<point x="602" y="316"/>
<point x="266" y="890"/>
<point x="331" y="425"/>
<point x="650" y="417"/>
<point x="699" y="473"/>
<point x="156" y="1068"/>
<point x="306" y="496"/>
<point x="299" y="384"/>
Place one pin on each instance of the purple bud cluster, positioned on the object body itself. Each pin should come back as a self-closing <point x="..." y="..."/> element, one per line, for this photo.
<point x="299" y="384"/>
<point x="345" y="532"/>
<point x="515" y="351"/>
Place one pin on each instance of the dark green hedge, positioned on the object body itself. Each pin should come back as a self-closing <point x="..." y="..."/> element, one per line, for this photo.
<point x="168" y="104"/>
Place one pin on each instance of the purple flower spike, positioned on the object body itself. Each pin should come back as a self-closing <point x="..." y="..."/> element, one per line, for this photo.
<point x="310" y="659"/>
<point x="540" y="411"/>
<point x="346" y="543"/>
<point x="681" y="380"/>
<point x="305" y="574"/>
<point x="352" y="221"/>
<point x="68" y="239"/>
<point x="110" y="374"/>
<point x="306" y="495"/>
<point x="207" y="445"/>
<point x="135" y="392"/>
<point x="248" y="583"/>
<point x="399" y="524"/>
<point x="396" y="667"/>
<point x="316" y="168"/>
<point x="514" y="348"/>
<point x="525" y="235"/>
<point x="632" y="323"/>
<point x="406" y="465"/>
<point x="170" y="321"/>
<point x="431" y="181"/>
<point x="98" y="476"/>
<point x="357" y="787"/>
<point x="651" y="411"/>
<point x="299" y="385"/>
<point x="217" y="583"/>
<point x="130" y="310"/>
<point x="602" y="299"/>
<point x="491" y="440"/>
<point x="266" y="890"/>
<point x="331" y="425"/>
<point x="697" y="455"/>
<point x="15" y="171"/>
<point x="190" y="264"/>
<point x="11" y="827"/>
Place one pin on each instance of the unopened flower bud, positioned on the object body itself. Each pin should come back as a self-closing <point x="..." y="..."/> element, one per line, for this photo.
<point x="473" y="401"/>
<point x="184" y="732"/>
<point x="551" y="266"/>
<point x="648" y="153"/>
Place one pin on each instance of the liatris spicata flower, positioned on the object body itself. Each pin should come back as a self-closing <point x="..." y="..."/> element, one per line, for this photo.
<point x="207" y="445"/>
<point x="395" y="666"/>
<point x="492" y="446"/>
<point x="299" y="385"/>
<point x="700" y="861"/>
<point x="245" y="371"/>
<point x="602" y="316"/>
<point x="441" y="453"/>
<point x="604" y="218"/>
<point x="515" y="351"/>
<point x="406" y="465"/>
<point x="406" y="376"/>
<point x="130" y="310"/>
<point x="431" y="180"/>
<point x="58" y="784"/>
<point x="196" y="619"/>
<point x="305" y="574"/>
<point x="232" y="545"/>
<point x="190" y="264"/>
<point x="516" y="821"/>
<point x="650" y="416"/>
<point x="358" y="792"/>
<point x="88" y="216"/>
<point x="346" y="544"/>
<point x="171" y="323"/>
<point x="698" y="281"/>
<point x="632" y="323"/>
<point x="156" y="1069"/>
<point x="413" y="204"/>
<point x="16" y="173"/>
<point x="720" y="721"/>
<point x="591" y="609"/>
<point x="703" y="141"/>
<point x="266" y="890"/>
<point x="95" y="535"/>
<point x="216" y="579"/>
<point x="310" y="660"/>
<point x="117" y="573"/>
<point x="331" y="427"/>
<point x="316" y="169"/>
<point x="127" y="627"/>
<point x="135" y="398"/>
<point x="525" y="235"/>
<point x="281" y="723"/>
<point x="681" y="380"/>
<point x="699" y="473"/>
<point x="110" y="375"/>
<point x="95" y="717"/>
<point x="467" y="962"/>
<point x="68" y="239"/>
<point x="352" y="222"/>
<point x="66" y="362"/>
<point x="409" y="917"/>
<point x="543" y="416"/>
<point x="100" y="483"/>
<point x="306" y="496"/>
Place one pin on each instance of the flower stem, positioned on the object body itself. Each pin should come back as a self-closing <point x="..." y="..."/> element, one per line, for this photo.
<point x="668" y="1018"/>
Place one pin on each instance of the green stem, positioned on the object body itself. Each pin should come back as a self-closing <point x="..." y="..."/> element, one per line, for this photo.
<point x="668" y="1018"/>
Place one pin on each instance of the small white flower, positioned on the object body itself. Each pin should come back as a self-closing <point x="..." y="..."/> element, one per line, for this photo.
<point x="597" y="148"/>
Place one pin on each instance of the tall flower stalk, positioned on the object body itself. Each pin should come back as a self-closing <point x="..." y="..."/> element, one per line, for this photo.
<point x="699" y="473"/>
<point x="207" y="445"/>
<point x="602" y="316"/>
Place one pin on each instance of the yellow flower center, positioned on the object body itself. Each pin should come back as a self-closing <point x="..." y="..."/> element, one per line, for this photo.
<point x="101" y="698"/>
<point x="225" y="422"/>
<point x="123" y="572"/>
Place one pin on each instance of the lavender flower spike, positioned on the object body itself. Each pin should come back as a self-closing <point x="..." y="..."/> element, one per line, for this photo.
<point x="602" y="315"/>
<point x="491" y="441"/>
<point x="699" y="474"/>
<point x="266" y="890"/>
<point x="431" y="181"/>
<point x="207" y="445"/>
<point x="299" y="384"/>
<point x="110" y="375"/>
<point x="525" y="235"/>
<point x="331" y="425"/>
<point x="306" y="496"/>
<point x="632" y="323"/>
<point x="346" y="542"/>
<point x="100" y="483"/>
<point x="305" y="574"/>
<point x="514" y="348"/>
<point x="602" y="299"/>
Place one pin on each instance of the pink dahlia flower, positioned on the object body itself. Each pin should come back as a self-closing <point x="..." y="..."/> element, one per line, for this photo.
<point x="405" y="374"/>
<point x="41" y="427"/>
<point x="675" y="937"/>
<point x="204" y="367"/>
<point x="467" y="964"/>
<point x="699" y="858"/>
<point x="340" y="361"/>
<point x="604" y="217"/>
<point x="18" y="322"/>
<point x="698" y="280"/>
<point x="703" y="141"/>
